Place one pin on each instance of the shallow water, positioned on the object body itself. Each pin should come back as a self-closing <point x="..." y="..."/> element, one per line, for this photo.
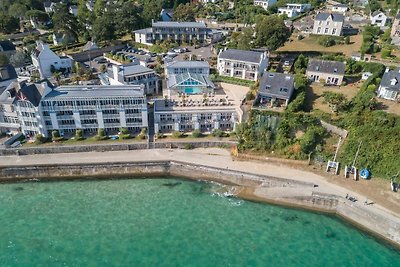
<point x="168" y="222"/>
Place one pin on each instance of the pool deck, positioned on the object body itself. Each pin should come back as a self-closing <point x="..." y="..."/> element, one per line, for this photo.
<point x="370" y="217"/>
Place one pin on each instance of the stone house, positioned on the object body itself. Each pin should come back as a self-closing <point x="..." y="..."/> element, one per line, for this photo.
<point x="328" y="24"/>
<point x="331" y="72"/>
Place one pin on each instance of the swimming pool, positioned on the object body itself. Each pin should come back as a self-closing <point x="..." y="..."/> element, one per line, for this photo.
<point x="192" y="90"/>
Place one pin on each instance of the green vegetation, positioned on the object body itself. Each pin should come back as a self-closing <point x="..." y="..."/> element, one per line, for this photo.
<point x="55" y="136"/>
<point x="101" y="135"/>
<point x="124" y="134"/>
<point x="178" y="134"/>
<point x="328" y="41"/>
<point x="197" y="134"/>
<point x="79" y="135"/>
<point x="39" y="139"/>
<point x="370" y="35"/>
<point x="232" y="80"/>
<point x="337" y="101"/>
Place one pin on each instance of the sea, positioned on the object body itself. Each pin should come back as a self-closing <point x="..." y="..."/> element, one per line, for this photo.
<point x="168" y="221"/>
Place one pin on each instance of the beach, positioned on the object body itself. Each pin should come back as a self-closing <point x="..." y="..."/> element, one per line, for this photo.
<point x="379" y="208"/>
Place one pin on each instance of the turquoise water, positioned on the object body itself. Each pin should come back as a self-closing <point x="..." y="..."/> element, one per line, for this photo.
<point x="162" y="222"/>
<point x="192" y="90"/>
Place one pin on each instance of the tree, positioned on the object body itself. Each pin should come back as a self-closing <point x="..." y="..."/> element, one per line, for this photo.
<point x="185" y="12"/>
<point x="104" y="28"/>
<point x="3" y="60"/>
<point x="245" y="39"/>
<point x="17" y="10"/>
<point x="301" y="64"/>
<point x="271" y="32"/>
<point x="37" y="15"/>
<point x="8" y="24"/>
<point x="18" y="59"/>
<point x="129" y="18"/>
<point x="64" y="21"/>
<point x="336" y="101"/>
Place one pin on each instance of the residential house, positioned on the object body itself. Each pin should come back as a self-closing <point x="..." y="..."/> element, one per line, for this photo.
<point x="89" y="108"/>
<point x="49" y="6"/>
<point x="7" y="48"/>
<point x="133" y="74"/>
<point x="90" y="46"/>
<point x="73" y="10"/>
<point x="356" y="56"/>
<point x="395" y="31"/>
<point x="60" y="38"/>
<point x="188" y="32"/>
<point x="378" y="18"/>
<point x="90" y="5"/>
<point x="7" y="75"/>
<point x="247" y="65"/>
<point x="166" y="14"/>
<point x="46" y="60"/>
<point x="265" y="3"/>
<point x="339" y="8"/>
<point x="328" y="24"/>
<point x="329" y="72"/>
<point x="275" y="89"/>
<point x="293" y="10"/>
<point x="20" y="110"/>
<point x="389" y="87"/>
<point x="188" y="77"/>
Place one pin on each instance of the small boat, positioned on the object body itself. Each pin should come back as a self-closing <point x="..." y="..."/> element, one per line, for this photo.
<point x="364" y="173"/>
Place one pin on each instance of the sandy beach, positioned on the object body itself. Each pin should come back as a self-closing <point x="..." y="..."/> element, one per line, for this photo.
<point x="382" y="201"/>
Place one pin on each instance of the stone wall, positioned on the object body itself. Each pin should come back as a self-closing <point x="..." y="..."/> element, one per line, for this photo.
<point x="110" y="147"/>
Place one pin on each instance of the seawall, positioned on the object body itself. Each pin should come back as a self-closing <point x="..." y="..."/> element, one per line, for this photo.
<point x="253" y="187"/>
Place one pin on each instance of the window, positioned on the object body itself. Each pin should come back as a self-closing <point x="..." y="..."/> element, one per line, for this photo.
<point x="326" y="30"/>
<point x="334" y="31"/>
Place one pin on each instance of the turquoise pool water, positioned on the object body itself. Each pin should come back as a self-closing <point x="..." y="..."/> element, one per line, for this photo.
<point x="192" y="90"/>
<point x="168" y="222"/>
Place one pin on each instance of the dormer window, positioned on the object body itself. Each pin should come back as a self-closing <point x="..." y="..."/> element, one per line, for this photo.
<point x="393" y="81"/>
<point x="335" y="70"/>
<point x="268" y="87"/>
<point x="317" y="68"/>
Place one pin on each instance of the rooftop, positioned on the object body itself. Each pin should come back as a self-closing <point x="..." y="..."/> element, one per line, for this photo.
<point x="177" y="24"/>
<point x="241" y="55"/>
<point x="189" y="64"/>
<point x="6" y="45"/>
<point x="95" y="91"/>
<point x="325" y="16"/>
<point x="277" y="85"/>
<point x="126" y="70"/>
<point x="144" y="31"/>
<point x="176" y="79"/>
<point x="391" y="80"/>
<point x="326" y="66"/>
<point x="7" y="72"/>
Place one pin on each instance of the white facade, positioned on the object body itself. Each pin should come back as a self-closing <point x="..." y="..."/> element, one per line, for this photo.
<point x="247" y="65"/>
<point x="174" y="115"/>
<point x="265" y="3"/>
<point x="339" y="8"/>
<point x="290" y="13"/>
<point x="378" y="19"/>
<point x="43" y="58"/>
<point x="328" y="24"/>
<point x="68" y="108"/>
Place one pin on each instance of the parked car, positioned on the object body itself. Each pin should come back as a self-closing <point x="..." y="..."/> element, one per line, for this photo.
<point x="171" y="54"/>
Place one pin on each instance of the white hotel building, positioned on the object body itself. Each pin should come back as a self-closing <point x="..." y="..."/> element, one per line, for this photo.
<point x="68" y="108"/>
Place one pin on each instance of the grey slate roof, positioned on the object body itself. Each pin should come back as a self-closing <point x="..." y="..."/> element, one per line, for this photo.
<point x="326" y="66"/>
<point x="278" y="85"/>
<point x="94" y="91"/>
<point x="398" y="16"/>
<point x="177" y="24"/>
<point x="241" y="55"/>
<point x="377" y="12"/>
<point x="335" y="17"/>
<point x="134" y="69"/>
<point x="144" y="31"/>
<point x="9" y="73"/>
<point x="6" y="45"/>
<point x="387" y="80"/>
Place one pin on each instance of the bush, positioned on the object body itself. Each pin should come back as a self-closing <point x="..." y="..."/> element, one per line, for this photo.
<point x="142" y="134"/>
<point x="123" y="130"/>
<point x="219" y="133"/>
<point x="386" y="53"/>
<point x="124" y="136"/>
<point x="188" y="146"/>
<point x="101" y="134"/>
<point x="326" y="41"/>
<point x="79" y="135"/>
<point x="177" y="134"/>
<point x="197" y="134"/>
<point x="160" y="135"/>
<point x="56" y="136"/>
<point x="39" y="139"/>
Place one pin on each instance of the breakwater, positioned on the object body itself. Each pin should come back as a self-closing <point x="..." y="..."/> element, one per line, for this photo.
<point x="255" y="187"/>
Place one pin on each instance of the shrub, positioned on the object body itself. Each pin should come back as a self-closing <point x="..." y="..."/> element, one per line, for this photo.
<point x="142" y="134"/>
<point x="125" y="136"/>
<point x="197" y="134"/>
<point x="39" y="139"/>
<point x="188" y="146"/>
<point x="56" y="136"/>
<point x="160" y="135"/>
<point x="218" y="133"/>
<point x="386" y="53"/>
<point x="79" y="134"/>
<point x="101" y="134"/>
<point x="326" y="41"/>
<point x="123" y="130"/>
<point x="177" y="134"/>
<point x="300" y="37"/>
<point x="347" y="40"/>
